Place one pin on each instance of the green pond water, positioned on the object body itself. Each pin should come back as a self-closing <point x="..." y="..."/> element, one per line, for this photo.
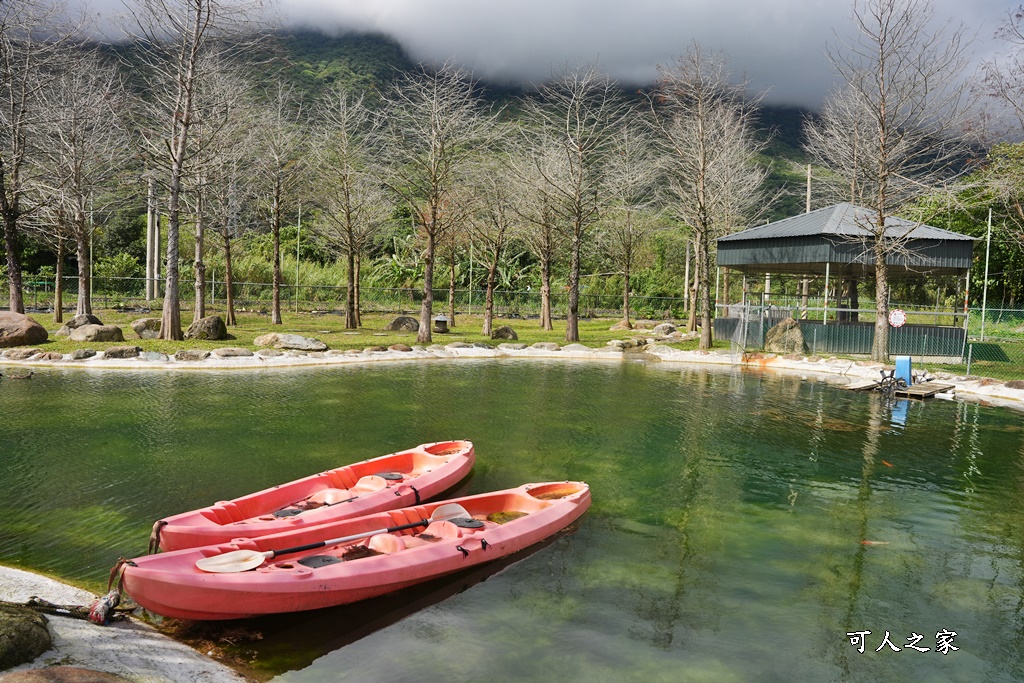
<point x="742" y="524"/>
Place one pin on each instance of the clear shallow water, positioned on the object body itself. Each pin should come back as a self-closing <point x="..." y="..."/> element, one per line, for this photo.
<point x="725" y="542"/>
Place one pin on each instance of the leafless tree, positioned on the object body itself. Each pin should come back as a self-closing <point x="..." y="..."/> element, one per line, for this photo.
<point x="632" y="218"/>
<point x="538" y="229"/>
<point x="355" y="206"/>
<point x="707" y="129"/>
<point x="177" y="42"/>
<point x="435" y="126"/>
<point x="29" y="36"/>
<point x="1003" y="75"/>
<point x="575" y="112"/>
<point x="283" y="141"/>
<point x="894" y="132"/>
<point x="492" y="223"/>
<point x="82" y="149"/>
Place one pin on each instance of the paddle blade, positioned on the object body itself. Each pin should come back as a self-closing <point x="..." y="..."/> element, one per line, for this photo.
<point x="449" y="511"/>
<point x="234" y="561"/>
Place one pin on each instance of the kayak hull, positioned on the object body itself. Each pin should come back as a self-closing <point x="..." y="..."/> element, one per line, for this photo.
<point x="170" y="584"/>
<point x="395" y="480"/>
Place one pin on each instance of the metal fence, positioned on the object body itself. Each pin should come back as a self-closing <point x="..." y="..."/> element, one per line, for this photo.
<point x="129" y="294"/>
<point x="988" y="343"/>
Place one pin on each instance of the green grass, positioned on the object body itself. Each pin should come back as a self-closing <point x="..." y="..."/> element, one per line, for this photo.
<point x="330" y="329"/>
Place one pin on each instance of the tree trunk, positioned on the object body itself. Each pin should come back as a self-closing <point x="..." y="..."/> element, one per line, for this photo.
<point x="880" y="346"/>
<point x="359" y="301"/>
<point x="229" y="296"/>
<point x="451" y="291"/>
<point x="58" y="284"/>
<point x="170" y="318"/>
<point x="706" y="302"/>
<point x="572" y="324"/>
<point x="492" y="271"/>
<point x="275" y="312"/>
<point x="427" y="309"/>
<point x="14" y="282"/>
<point x="350" y="290"/>
<point x="84" y="279"/>
<point x="625" y="292"/>
<point x="199" y="310"/>
<point x="691" y="291"/>
<point x="545" y="293"/>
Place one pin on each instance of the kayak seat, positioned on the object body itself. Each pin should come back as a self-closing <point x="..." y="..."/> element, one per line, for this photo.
<point x="369" y="484"/>
<point x="330" y="496"/>
<point x="386" y="544"/>
<point x="341" y="478"/>
<point x="442" y="530"/>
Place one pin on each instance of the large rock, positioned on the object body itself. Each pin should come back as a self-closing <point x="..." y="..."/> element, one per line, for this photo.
<point x="403" y="323"/>
<point x="664" y="329"/>
<point x="191" y="355"/>
<point x="232" y="352"/>
<point x="289" y="341"/>
<point x="23" y="635"/>
<point x="146" y="328"/>
<point x="62" y="674"/>
<point x="504" y="332"/>
<point x="122" y="352"/>
<point x="210" y="327"/>
<point x="17" y="329"/>
<point x="786" y="337"/>
<point x="76" y="322"/>
<point x="97" y="333"/>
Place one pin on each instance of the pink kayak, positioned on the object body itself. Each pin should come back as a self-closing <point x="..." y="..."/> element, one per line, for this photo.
<point x="314" y="567"/>
<point x="390" y="481"/>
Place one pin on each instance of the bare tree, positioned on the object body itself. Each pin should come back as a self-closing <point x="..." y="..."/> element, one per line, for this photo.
<point x="492" y="223"/>
<point x="538" y="229"/>
<point x="894" y="132"/>
<point x="631" y="218"/>
<point x="82" y="149"/>
<point x="177" y="42"/>
<point x="355" y="206"/>
<point x="282" y="141"/>
<point x="435" y="127"/>
<point x="575" y="112"/>
<point x="29" y="35"/>
<point x="1003" y="75"/>
<point x="706" y="126"/>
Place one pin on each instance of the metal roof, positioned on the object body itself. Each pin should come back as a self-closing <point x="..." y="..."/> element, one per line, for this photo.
<point x="843" y="220"/>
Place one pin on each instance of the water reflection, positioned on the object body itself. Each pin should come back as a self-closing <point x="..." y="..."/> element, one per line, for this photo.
<point x="742" y="523"/>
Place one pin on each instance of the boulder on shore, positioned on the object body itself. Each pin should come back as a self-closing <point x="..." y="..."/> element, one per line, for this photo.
<point x="17" y="329"/>
<point x="97" y="333"/>
<point x="289" y="341"/>
<point x="403" y="323"/>
<point x="210" y="327"/>
<point x="76" y="322"/>
<point x="785" y="338"/>
<point x="23" y="635"/>
<point x="122" y="352"/>
<point x="146" y="328"/>
<point x="504" y="332"/>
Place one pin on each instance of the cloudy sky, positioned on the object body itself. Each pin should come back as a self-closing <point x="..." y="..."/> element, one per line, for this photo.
<point x="778" y="44"/>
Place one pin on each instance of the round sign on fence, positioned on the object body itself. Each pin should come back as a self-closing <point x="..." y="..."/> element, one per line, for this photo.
<point x="897" y="317"/>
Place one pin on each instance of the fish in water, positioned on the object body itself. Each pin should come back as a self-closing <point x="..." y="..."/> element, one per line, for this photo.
<point x="887" y="464"/>
<point x="874" y="542"/>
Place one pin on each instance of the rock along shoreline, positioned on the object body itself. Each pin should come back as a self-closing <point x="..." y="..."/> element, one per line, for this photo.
<point x="835" y="370"/>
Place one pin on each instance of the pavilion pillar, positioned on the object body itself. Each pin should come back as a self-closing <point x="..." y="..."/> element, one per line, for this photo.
<point x="824" y="316"/>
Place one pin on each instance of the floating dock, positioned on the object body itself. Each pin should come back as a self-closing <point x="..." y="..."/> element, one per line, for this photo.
<point x="923" y="390"/>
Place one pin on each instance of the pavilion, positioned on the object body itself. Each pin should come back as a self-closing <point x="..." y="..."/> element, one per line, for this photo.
<point x="833" y="243"/>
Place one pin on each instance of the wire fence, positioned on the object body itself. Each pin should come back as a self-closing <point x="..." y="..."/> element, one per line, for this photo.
<point x="130" y="294"/>
<point x="986" y="342"/>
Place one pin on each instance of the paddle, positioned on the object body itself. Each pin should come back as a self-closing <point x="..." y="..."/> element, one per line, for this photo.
<point x="244" y="560"/>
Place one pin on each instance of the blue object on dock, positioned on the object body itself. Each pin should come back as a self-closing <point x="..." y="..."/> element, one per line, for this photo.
<point x="903" y="370"/>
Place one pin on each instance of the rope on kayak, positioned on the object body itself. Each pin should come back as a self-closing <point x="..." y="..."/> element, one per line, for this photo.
<point x="415" y="492"/>
<point x="154" y="536"/>
<point x="101" y="611"/>
<point x="465" y="553"/>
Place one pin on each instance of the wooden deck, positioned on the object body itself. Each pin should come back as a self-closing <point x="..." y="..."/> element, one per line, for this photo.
<point x="924" y="390"/>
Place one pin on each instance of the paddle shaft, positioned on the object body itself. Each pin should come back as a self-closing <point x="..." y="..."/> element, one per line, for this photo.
<point x="271" y="554"/>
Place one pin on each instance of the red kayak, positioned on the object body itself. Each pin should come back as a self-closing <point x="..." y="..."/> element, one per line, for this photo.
<point x="353" y="559"/>
<point x="384" y="483"/>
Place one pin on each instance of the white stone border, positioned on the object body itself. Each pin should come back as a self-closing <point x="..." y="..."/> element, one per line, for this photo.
<point x="988" y="391"/>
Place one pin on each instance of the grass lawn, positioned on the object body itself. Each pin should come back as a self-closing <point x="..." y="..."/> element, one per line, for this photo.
<point x="330" y="329"/>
